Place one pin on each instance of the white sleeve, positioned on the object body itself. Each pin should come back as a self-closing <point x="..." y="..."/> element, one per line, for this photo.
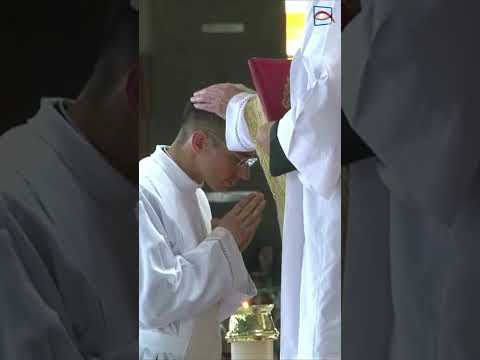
<point x="175" y="287"/>
<point x="237" y="134"/>
<point x="311" y="140"/>
<point x="43" y="296"/>
<point x="244" y="288"/>
<point x="310" y="132"/>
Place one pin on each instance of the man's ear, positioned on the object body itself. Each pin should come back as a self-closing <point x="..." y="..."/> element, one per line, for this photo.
<point x="198" y="141"/>
<point x="133" y="89"/>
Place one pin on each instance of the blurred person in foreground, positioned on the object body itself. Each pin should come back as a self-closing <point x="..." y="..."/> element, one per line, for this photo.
<point x="68" y="230"/>
<point x="410" y="85"/>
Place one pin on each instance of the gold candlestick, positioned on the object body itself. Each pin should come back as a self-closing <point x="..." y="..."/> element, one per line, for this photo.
<point x="252" y="333"/>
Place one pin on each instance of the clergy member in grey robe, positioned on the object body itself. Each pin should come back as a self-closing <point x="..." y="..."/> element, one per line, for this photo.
<point x="411" y="75"/>
<point x="68" y="228"/>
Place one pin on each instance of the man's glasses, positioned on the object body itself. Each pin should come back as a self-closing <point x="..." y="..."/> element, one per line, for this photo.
<point x="249" y="162"/>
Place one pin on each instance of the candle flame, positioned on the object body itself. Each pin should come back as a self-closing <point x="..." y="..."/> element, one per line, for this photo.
<point x="245" y="305"/>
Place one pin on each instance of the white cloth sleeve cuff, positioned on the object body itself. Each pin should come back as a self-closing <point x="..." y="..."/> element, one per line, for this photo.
<point x="285" y="131"/>
<point x="240" y="276"/>
<point x="236" y="133"/>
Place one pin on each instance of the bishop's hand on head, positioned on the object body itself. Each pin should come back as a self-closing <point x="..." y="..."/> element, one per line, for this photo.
<point x="215" y="98"/>
<point x="243" y="219"/>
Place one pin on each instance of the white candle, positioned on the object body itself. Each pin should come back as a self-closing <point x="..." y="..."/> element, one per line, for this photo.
<point x="254" y="350"/>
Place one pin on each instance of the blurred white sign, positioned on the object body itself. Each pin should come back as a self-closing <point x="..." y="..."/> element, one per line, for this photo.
<point x="223" y="28"/>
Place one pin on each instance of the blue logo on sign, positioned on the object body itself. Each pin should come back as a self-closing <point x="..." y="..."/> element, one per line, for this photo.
<point x="322" y="15"/>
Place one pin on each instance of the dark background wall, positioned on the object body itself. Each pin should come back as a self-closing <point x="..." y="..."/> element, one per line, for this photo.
<point x="48" y="49"/>
<point x="182" y="59"/>
<point x="186" y="59"/>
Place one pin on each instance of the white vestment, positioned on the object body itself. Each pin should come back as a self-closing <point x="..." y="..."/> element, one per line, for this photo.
<point x="310" y="136"/>
<point x="410" y="289"/>
<point x="191" y="278"/>
<point x="68" y="246"/>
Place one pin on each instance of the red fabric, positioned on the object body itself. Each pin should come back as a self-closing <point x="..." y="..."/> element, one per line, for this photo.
<point x="271" y="78"/>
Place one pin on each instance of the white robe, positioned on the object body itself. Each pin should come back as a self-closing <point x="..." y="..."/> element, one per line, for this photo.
<point x="191" y="278"/>
<point x="310" y="136"/>
<point x="68" y="246"/>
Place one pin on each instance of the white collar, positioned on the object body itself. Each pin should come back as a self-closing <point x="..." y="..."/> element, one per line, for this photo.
<point x="174" y="172"/>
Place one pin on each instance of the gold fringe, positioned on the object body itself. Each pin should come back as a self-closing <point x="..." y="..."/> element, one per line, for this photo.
<point x="255" y="118"/>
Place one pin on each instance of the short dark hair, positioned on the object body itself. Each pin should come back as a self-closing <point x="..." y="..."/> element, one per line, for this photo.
<point x="121" y="31"/>
<point x="119" y="45"/>
<point x="195" y="119"/>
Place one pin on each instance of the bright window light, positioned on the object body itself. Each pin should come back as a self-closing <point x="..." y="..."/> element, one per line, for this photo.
<point x="295" y="12"/>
